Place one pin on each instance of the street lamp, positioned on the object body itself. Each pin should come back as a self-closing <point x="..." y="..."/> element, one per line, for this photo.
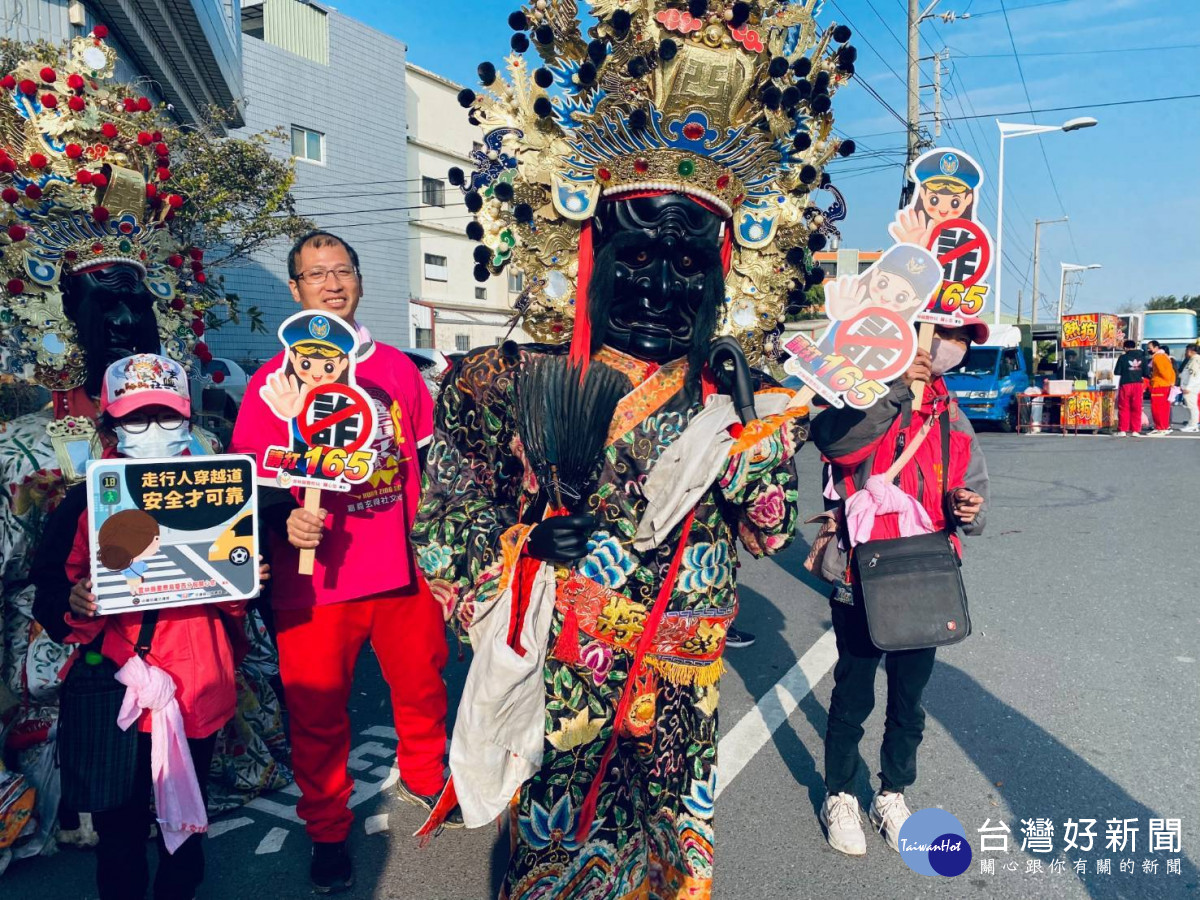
<point x="1011" y="130"/>
<point x="1062" y="291"/>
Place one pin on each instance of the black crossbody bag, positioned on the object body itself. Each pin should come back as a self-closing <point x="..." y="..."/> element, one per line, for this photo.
<point x="912" y="587"/>
<point x="97" y="759"/>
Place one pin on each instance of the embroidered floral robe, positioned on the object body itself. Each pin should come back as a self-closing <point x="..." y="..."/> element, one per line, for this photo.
<point x="652" y="834"/>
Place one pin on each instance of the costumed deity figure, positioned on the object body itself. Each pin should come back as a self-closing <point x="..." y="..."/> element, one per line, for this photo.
<point x="91" y="271"/>
<point x="651" y="184"/>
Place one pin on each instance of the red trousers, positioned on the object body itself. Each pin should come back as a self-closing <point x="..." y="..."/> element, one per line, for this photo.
<point x="318" y="648"/>
<point x="1160" y="407"/>
<point x="1129" y="407"/>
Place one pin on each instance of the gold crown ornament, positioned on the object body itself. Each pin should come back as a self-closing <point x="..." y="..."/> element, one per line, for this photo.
<point x="83" y="183"/>
<point x="724" y="102"/>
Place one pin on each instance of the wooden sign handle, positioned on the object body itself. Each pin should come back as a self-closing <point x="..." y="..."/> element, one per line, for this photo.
<point x="925" y="342"/>
<point x="312" y="504"/>
<point x="802" y="397"/>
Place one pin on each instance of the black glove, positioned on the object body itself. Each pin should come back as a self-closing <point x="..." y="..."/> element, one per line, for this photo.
<point x="561" y="539"/>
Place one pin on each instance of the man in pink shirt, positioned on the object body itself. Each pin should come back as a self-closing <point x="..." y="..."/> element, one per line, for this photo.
<point x="365" y="584"/>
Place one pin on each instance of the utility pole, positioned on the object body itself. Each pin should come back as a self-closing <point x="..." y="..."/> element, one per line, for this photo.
<point x="1037" y="237"/>
<point x="915" y="17"/>
<point x="1018" y="306"/>
<point x="914" y="94"/>
<point x="938" y="59"/>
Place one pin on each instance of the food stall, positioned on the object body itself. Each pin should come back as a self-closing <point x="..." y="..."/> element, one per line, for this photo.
<point x="1084" y="397"/>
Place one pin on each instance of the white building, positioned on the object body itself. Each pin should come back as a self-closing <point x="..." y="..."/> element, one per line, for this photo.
<point x="449" y="310"/>
<point x="350" y="157"/>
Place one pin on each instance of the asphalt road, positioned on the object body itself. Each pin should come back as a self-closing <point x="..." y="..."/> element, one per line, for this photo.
<point x="1076" y="697"/>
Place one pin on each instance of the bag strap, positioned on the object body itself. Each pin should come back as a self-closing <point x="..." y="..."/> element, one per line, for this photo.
<point x="146" y="633"/>
<point x="947" y="507"/>
<point x="587" y="812"/>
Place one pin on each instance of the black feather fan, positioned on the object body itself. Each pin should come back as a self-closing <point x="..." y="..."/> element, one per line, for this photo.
<point x="564" y="421"/>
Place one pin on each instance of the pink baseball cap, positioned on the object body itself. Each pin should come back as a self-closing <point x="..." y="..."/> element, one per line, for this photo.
<point x="978" y="328"/>
<point x="145" y="380"/>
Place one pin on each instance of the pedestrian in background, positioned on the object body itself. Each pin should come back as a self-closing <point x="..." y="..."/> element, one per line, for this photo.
<point x="858" y="444"/>
<point x="1130" y="372"/>
<point x="1162" y="379"/>
<point x="1190" y="382"/>
<point x="365" y="583"/>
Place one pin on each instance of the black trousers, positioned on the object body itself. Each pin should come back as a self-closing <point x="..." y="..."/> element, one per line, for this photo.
<point x="853" y="699"/>
<point x="122" y="872"/>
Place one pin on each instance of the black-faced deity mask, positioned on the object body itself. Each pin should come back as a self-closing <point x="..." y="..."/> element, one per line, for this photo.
<point x="657" y="280"/>
<point x="113" y="312"/>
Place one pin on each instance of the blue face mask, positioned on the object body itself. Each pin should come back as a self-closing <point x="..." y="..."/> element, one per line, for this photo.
<point x="154" y="442"/>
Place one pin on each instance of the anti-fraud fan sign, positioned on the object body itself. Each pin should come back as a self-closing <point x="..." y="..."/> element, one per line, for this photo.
<point x="943" y="217"/>
<point x="172" y="532"/>
<point x="330" y="419"/>
<point x="870" y="340"/>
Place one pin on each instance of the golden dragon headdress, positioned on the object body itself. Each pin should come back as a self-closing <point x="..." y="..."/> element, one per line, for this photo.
<point x="726" y="102"/>
<point x="84" y="183"/>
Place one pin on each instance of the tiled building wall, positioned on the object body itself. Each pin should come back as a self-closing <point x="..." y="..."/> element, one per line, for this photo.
<point x="365" y="167"/>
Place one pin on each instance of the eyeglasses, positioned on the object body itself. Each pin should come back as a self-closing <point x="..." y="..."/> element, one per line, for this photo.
<point x="137" y="423"/>
<point x="318" y="276"/>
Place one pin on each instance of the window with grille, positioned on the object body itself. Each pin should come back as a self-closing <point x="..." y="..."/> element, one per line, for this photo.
<point x="425" y="338"/>
<point x="462" y="342"/>
<point x="480" y="293"/>
<point x="433" y="191"/>
<point x="516" y="282"/>
<point x="435" y="268"/>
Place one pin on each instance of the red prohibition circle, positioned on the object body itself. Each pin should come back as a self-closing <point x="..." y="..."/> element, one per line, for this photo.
<point x="978" y="241"/>
<point x="360" y="405"/>
<point x="906" y="343"/>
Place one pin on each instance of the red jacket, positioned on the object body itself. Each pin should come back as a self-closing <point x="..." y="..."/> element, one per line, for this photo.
<point x="191" y="644"/>
<point x="848" y="438"/>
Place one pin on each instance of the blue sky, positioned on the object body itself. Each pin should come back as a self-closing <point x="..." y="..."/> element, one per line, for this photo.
<point x="1131" y="186"/>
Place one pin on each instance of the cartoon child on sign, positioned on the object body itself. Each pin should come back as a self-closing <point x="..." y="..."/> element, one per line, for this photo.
<point x="319" y="350"/>
<point x="331" y="419"/>
<point x="126" y="540"/>
<point x="942" y="219"/>
<point x="946" y="180"/>
<point x="902" y="281"/>
<point x="870" y="339"/>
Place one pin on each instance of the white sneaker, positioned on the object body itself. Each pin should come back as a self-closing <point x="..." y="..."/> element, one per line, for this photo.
<point x="1190" y="429"/>
<point x="888" y="814"/>
<point x="843" y="824"/>
<point x="1121" y="434"/>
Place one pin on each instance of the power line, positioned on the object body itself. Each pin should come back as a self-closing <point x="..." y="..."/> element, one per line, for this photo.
<point x="992" y="12"/>
<point x="1041" y="144"/>
<point x="1082" y="52"/>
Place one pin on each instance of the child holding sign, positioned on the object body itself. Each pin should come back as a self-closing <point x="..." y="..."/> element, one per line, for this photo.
<point x="145" y="409"/>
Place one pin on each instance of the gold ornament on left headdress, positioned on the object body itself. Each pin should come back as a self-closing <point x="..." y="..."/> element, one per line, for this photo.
<point x="725" y="102"/>
<point x="81" y="185"/>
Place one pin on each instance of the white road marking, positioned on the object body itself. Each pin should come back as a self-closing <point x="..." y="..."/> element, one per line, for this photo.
<point x="380" y="731"/>
<point x="280" y="810"/>
<point x="272" y="842"/>
<point x="216" y="829"/>
<point x="376" y="824"/>
<point x="751" y="733"/>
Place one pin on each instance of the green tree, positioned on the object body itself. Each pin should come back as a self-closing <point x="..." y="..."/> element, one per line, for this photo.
<point x="1170" y="301"/>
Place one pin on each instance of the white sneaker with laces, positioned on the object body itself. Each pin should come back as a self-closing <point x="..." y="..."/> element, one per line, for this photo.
<point x="1190" y="429"/>
<point x="842" y="819"/>
<point x="889" y="812"/>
